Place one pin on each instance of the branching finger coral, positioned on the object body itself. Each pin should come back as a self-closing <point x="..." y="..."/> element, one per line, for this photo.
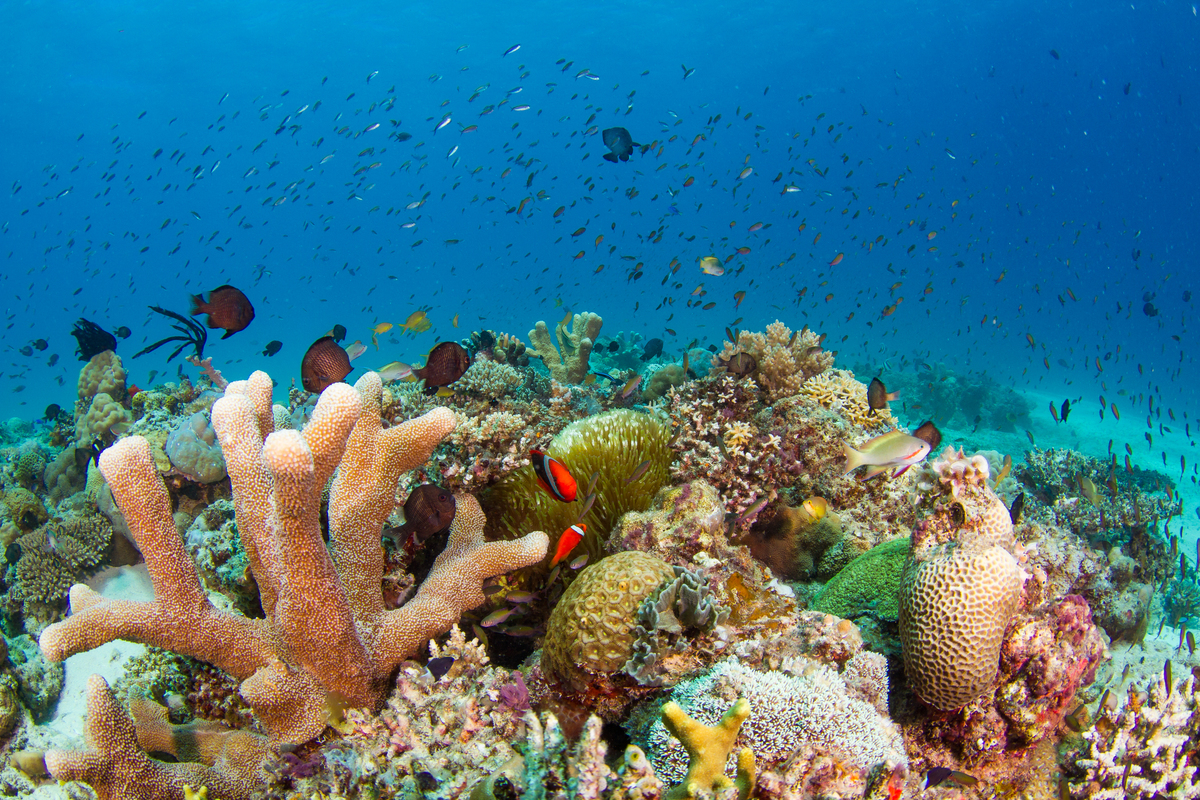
<point x="785" y="360"/>
<point x="568" y="362"/>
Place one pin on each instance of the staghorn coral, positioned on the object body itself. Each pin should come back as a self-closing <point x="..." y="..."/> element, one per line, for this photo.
<point x="612" y="444"/>
<point x="327" y="632"/>
<point x="808" y="711"/>
<point x="567" y="363"/>
<point x="959" y="589"/>
<point x="839" y="391"/>
<point x="1143" y="749"/>
<point x="785" y="360"/>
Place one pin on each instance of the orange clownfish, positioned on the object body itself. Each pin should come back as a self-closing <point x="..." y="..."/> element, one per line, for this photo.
<point x="566" y="543"/>
<point x="553" y="476"/>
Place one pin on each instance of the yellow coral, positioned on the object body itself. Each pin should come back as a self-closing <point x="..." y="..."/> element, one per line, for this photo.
<point x="838" y="391"/>
<point x="785" y="360"/>
<point x="708" y="749"/>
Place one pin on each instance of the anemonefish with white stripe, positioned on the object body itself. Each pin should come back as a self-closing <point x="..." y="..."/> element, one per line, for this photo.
<point x="566" y="543"/>
<point x="553" y="476"/>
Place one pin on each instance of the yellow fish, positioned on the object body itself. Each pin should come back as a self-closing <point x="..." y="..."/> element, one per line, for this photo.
<point x="454" y="321"/>
<point x="711" y="265"/>
<point x="417" y="322"/>
<point x="382" y="327"/>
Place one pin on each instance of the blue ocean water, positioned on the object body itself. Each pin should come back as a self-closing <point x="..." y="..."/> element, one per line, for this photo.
<point x="1023" y="176"/>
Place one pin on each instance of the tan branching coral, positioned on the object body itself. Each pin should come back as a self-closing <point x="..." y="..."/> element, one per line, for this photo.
<point x="117" y="766"/>
<point x="568" y="363"/>
<point x="839" y="391"/>
<point x="327" y="638"/>
<point x="784" y="360"/>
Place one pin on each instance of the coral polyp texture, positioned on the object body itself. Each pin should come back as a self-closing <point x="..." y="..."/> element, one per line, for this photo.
<point x="960" y="587"/>
<point x="327" y="632"/>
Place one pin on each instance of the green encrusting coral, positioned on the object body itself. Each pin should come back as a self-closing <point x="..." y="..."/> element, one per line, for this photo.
<point x="870" y="584"/>
<point x="613" y="445"/>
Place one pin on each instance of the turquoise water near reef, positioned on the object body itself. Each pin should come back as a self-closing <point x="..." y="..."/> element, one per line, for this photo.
<point x="1023" y="176"/>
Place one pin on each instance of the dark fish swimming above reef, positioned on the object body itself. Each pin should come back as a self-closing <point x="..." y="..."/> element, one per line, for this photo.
<point x="325" y="363"/>
<point x="272" y="347"/>
<point x="620" y="142"/>
<point x="91" y="339"/>
<point x="445" y="364"/>
<point x="227" y="308"/>
<point x="428" y="510"/>
<point x="653" y="347"/>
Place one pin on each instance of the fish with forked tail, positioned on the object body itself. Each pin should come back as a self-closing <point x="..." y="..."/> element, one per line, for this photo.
<point x="892" y="450"/>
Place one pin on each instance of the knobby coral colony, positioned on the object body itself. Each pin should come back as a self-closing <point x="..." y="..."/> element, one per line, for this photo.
<point x="957" y="639"/>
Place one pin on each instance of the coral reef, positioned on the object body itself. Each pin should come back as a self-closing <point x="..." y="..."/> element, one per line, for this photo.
<point x="51" y="559"/>
<point x="798" y="543"/>
<point x="868" y="586"/>
<point x="327" y="632"/>
<point x="838" y="391"/>
<point x="490" y="379"/>
<point x="568" y="362"/>
<point x="592" y="629"/>
<point x="784" y="360"/>
<point x="960" y="588"/>
<point x="805" y="715"/>
<point x="1144" y="748"/>
<point x="193" y="449"/>
<point x="612" y="446"/>
<point x="682" y="521"/>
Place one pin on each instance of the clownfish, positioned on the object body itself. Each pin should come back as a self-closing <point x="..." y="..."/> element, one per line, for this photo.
<point x="553" y="476"/>
<point x="566" y="543"/>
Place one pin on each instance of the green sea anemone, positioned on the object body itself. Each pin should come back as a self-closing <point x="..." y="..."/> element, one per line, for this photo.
<point x="612" y="445"/>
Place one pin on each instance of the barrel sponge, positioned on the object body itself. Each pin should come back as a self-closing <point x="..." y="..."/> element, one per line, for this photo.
<point x="869" y="583"/>
<point x="954" y="608"/>
<point x="104" y="373"/>
<point x="194" y="450"/>
<point x="591" y="630"/>
<point x="613" y="444"/>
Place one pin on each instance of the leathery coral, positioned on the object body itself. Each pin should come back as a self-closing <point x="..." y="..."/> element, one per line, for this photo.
<point x="327" y="638"/>
<point x="785" y="360"/>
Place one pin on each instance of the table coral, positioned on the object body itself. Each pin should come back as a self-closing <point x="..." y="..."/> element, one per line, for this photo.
<point x="568" y="362"/>
<point x="327" y="633"/>
<point x="785" y="360"/>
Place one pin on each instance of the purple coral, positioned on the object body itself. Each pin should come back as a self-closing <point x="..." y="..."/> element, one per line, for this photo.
<point x="515" y="696"/>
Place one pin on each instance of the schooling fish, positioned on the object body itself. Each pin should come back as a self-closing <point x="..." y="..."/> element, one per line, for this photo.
<point x="552" y="476"/>
<point x="878" y="396"/>
<point x="227" y="308"/>
<point x="325" y="363"/>
<point x="711" y="265"/>
<point x="428" y="510"/>
<point x="620" y="142"/>
<point x="566" y="543"/>
<point x="892" y="449"/>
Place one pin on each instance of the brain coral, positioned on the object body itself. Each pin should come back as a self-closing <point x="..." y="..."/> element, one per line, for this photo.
<point x="785" y="360"/>
<point x="612" y="444"/>
<point x="591" y="630"/>
<point x="870" y="584"/>
<point x="960" y="588"/>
